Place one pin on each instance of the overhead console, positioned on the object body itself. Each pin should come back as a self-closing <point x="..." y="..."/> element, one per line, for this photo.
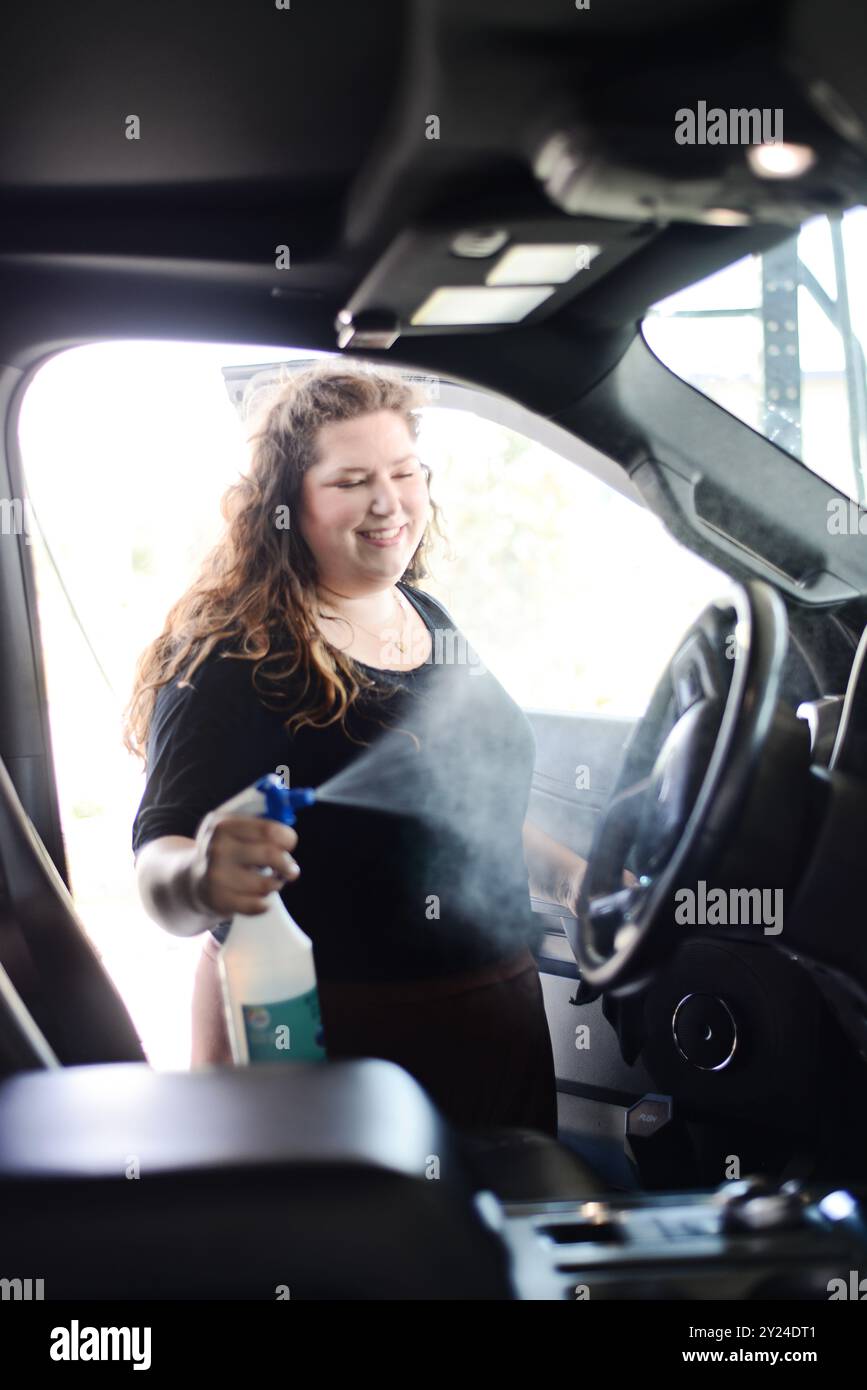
<point x="492" y="264"/>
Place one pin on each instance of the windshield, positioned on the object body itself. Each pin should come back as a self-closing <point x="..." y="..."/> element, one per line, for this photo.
<point x="777" y="339"/>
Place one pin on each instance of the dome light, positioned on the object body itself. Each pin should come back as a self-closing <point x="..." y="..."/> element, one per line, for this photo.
<point x="780" y="160"/>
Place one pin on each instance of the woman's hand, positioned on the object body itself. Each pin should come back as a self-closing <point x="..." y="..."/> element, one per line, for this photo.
<point x="577" y="878"/>
<point x="223" y="874"/>
<point x="573" y="893"/>
<point x="555" y="872"/>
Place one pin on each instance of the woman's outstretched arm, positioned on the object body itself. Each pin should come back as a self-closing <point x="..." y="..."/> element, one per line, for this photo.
<point x="555" y="871"/>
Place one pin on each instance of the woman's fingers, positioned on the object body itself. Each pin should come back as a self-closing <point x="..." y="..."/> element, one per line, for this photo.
<point x="236" y="878"/>
<point x="256" y="844"/>
<point x="258" y="830"/>
<point x="277" y="860"/>
<point x="232" y="852"/>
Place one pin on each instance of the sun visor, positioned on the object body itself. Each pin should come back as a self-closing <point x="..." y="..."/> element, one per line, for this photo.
<point x="451" y="276"/>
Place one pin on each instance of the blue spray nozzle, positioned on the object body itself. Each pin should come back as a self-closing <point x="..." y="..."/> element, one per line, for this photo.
<point x="281" y="803"/>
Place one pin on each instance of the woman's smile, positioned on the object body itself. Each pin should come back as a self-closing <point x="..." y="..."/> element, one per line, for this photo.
<point x="395" y="536"/>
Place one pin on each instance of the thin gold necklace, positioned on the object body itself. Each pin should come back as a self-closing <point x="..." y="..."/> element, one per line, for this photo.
<point x="401" y="646"/>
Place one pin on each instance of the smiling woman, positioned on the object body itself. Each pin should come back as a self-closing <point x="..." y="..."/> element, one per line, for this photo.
<point x="419" y="915"/>
<point x="365" y="507"/>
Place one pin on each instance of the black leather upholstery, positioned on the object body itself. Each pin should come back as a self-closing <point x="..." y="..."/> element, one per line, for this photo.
<point x="47" y="955"/>
<point x="337" y="1181"/>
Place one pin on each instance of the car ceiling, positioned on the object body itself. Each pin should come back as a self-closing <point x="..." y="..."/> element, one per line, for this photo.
<point x="306" y="127"/>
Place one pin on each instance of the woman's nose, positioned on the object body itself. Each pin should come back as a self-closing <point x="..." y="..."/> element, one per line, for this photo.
<point x="386" y="497"/>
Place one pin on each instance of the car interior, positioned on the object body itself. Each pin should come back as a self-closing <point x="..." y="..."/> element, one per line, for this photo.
<point x="317" y="178"/>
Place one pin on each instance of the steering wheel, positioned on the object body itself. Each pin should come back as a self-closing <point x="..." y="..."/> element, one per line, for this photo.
<point x="687" y="773"/>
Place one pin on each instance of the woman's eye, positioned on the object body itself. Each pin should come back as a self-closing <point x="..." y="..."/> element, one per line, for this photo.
<point x="361" y="480"/>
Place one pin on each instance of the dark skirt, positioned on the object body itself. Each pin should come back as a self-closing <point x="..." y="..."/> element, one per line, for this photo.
<point x="477" y="1043"/>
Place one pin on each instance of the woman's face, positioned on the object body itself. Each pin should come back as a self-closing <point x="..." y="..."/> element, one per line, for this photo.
<point x="367" y="478"/>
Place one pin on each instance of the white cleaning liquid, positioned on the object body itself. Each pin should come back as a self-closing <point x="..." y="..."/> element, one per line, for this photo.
<point x="266" y="962"/>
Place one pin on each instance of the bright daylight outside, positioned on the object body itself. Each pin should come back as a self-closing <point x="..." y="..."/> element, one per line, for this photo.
<point x="573" y="595"/>
<point x="778" y="340"/>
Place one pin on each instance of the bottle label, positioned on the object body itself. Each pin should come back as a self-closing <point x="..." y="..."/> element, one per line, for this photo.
<point x="288" y="1031"/>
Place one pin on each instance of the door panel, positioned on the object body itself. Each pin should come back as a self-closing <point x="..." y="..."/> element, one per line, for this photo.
<point x="578" y="758"/>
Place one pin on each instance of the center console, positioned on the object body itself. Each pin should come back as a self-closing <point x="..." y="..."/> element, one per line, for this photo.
<point x="745" y="1240"/>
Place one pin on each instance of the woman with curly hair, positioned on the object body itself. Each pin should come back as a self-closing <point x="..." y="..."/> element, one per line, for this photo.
<point x="304" y="640"/>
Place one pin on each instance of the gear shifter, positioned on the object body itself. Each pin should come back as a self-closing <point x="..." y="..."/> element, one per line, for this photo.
<point x="757" y="1206"/>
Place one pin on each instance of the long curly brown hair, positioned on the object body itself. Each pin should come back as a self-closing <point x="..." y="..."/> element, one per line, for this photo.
<point x="257" y="587"/>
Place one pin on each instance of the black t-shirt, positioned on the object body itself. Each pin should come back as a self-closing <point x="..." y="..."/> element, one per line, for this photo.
<point x="433" y="886"/>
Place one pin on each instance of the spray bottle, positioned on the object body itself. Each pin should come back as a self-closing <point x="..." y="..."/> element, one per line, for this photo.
<point x="266" y="961"/>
